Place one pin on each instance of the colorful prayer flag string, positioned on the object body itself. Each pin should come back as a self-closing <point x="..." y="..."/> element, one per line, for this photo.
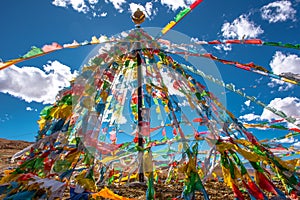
<point x="178" y="18"/>
<point x="248" y="66"/>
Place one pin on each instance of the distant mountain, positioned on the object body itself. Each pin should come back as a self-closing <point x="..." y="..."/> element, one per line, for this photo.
<point x="7" y="149"/>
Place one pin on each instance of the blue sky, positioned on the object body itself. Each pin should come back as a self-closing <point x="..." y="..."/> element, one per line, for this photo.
<point x="27" y="87"/>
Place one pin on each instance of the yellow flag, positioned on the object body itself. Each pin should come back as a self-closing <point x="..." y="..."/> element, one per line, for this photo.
<point x="9" y="63"/>
<point x="95" y="40"/>
<point x="168" y="27"/>
<point x="42" y="123"/>
<point x="108" y="194"/>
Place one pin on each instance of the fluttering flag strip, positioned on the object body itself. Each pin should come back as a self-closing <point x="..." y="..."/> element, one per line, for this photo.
<point x="84" y="142"/>
<point x="240" y="92"/>
<point x="36" y="52"/>
<point x="248" y="67"/>
<point x="249" y="41"/>
<point x="183" y="13"/>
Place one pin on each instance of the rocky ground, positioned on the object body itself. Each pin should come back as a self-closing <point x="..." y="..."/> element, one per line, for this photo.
<point x="216" y="190"/>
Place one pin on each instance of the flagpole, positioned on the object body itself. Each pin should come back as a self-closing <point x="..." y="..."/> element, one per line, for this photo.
<point x="138" y="17"/>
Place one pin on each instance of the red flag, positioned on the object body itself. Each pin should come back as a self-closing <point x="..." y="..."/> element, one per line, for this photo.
<point x="164" y="132"/>
<point x="264" y="183"/>
<point x="176" y="85"/>
<point x="174" y="131"/>
<point x="198" y="120"/>
<point x="254" y="190"/>
<point x="233" y="41"/>
<point x="243" y="67"/>
<point x="295" y="129"/>
<point x="253" y="41"/>
<point x="195" y="4"/>
<point x="237" y="193"/>
<point x="209" y="55"/>
<point x="214" y="42"/>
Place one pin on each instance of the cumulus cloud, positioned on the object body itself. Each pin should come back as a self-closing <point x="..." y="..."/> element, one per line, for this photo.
<point x="240" y="28"/>
<point x="249" y="117"/>
<point x="289" y="105"/>
<point x="282" y="63"/>
<point x="78" y="5"/>
<point x="147" y="9"/>
<point x="60" y="3"/>
<point x="81" y="6"/>
<point x="174" y="5"/>
<point x="278" y="11"/>
<point x="34" y="84"/>
<point x="285" y="63"/>
<point x="95" y="6"/>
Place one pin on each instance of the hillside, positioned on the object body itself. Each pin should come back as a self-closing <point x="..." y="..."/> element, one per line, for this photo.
<point x="8" y="148"/>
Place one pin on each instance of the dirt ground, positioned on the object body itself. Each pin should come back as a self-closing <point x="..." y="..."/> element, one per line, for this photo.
<point x="215" y="189"/>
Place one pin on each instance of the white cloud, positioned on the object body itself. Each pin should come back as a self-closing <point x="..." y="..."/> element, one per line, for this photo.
<point x="249" y="117"/>
<point x="60" y="3"/>
<point x="287" y="140"/>
<point x="285" y="86"/>
<point x="104" y="14"/>
<point x="297" y="145"/>
<point x="147" y="9"/>
<point x="271" y="85"/>
<point x="240" y="28"/>
<point x="282" y="63"/>
<point x="225" y="47"/>
<point x="117" y="4"/>
<point x="289" y="105"/>
<point x="31" y="109"/>
<point x="94" y="6"/>
<point x="285" y="63"/>
<point x="34" y="84"/>
<point x="247" y="103"/>
<point x="174" y="4"/>
<point x="78" y="5"/>
<point x="278" y="11"/>
<point x="183" y="103"/>
<point x="93" y="1"/>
